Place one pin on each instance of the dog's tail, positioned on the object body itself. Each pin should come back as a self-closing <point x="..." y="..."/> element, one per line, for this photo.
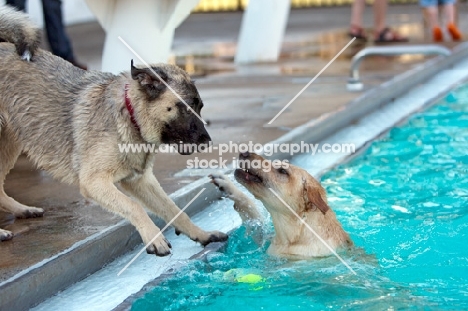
<point x="17" y="28"/>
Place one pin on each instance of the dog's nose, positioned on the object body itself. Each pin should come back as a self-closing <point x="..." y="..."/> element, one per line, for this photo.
<point x="244" y="155"/>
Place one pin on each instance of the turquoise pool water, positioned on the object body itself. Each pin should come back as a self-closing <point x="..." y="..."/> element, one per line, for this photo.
<point x="404" y="202"/>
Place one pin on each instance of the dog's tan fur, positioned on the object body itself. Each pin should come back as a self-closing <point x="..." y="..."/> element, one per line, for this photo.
<point x="70" y="122"/>
<point x="302" y="193"/>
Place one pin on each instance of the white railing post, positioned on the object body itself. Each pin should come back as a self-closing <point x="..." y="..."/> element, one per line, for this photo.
<point x="262" y="31"/>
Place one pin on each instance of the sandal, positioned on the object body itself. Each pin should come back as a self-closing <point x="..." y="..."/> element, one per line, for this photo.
<point x="357" y="32"/>
<point x="454" y="32"/>
<point x="437" y="34"/>
<point x="388" y="35"/>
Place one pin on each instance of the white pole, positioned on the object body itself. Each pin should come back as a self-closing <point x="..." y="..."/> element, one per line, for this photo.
<point x="262" y="31"/>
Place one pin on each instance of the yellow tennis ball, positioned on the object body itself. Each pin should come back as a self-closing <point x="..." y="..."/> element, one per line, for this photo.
<point x="250" y="278"/>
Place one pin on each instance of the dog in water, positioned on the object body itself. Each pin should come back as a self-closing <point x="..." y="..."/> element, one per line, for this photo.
<point x="302" y="193"/>
<point x="70" y="123"/>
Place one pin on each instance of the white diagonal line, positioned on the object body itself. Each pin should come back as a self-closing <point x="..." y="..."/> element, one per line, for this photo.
<point x="312" y="81"/>
<point x="315" y="233"/>
<point x="160" y="232"/>
<point x="168" y="86"/>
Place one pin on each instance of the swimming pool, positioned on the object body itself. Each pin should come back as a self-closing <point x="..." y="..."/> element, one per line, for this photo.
<point x="404" y="202"/>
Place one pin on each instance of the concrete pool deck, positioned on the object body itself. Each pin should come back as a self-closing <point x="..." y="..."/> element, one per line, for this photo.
<point x="239" y="100"/>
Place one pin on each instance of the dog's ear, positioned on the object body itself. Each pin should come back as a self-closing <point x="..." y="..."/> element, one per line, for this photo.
<point x="152" y="80"/>
<point x="314" y="199"/>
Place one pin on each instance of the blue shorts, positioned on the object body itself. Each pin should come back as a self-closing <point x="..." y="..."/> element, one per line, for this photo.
<point x="427" y="3"/>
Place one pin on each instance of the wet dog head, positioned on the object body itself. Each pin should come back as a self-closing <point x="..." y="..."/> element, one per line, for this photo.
<point x="291" y="183"/>
<point x="167" y="107"/>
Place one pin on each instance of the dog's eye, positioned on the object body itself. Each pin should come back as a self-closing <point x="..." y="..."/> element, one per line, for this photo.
<point x="283" y="171"/>
<point x="169" y="109"/>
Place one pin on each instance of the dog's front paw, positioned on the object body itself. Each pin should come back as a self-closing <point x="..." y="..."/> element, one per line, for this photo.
<point x="5" y="235"/>
<point x="160" y="247"/>
<point x="212" y="236"/>
<point x="223" y="183"/>
<point x="30" y="212"/>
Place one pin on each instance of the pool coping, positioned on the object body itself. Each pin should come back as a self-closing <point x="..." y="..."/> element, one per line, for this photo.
<point x="127" y="303"/>
<point x="44" y="279"/>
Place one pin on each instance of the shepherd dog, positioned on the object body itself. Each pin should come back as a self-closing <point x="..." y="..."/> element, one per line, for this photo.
<point x="70" y="123"/>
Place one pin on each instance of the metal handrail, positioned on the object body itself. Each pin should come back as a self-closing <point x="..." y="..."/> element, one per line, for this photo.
<point x="354" y="82"/>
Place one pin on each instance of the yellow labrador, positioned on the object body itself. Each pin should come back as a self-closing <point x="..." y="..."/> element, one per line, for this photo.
<point x="302" y="193"/>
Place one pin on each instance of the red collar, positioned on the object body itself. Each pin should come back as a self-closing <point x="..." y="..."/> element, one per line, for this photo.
<point x="129" y="106"/>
